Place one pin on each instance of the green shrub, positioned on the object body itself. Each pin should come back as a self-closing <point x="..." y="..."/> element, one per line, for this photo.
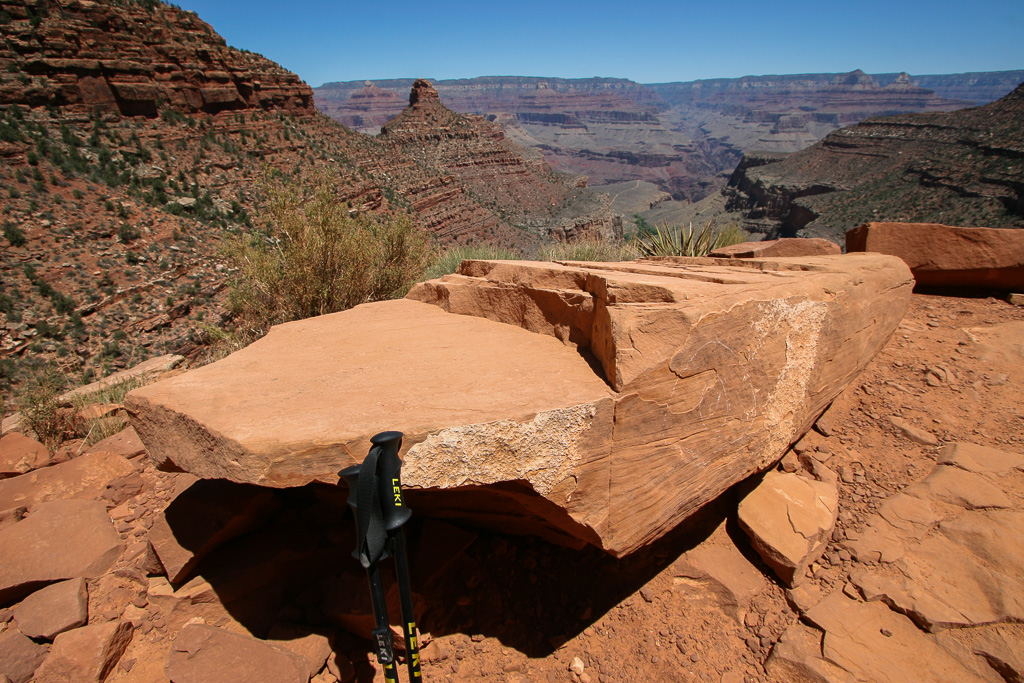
<point x="311" y="257"/>
<point x="678" y="240"/>
<point x="13" y="234"/>
<point x="447" y="261"/>
<point x="127" y="234"/>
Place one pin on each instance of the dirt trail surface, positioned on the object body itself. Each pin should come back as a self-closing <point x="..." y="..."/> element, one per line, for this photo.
<point x="887" y="600"/>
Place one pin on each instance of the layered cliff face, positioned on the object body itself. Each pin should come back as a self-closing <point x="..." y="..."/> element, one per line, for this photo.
<point x="682" y="138"/>
<point x="606" y="128"/>
<point x="366" y="109"/>
<point x="496" y="172"/>
<point x="123" y="170"/>
<point x="960" y="168"/>
<point x="789" y="113"/>
<point x="134" y="59"/>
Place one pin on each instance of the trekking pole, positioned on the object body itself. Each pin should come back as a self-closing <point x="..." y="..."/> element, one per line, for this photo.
<point x="364" y="499"/>
<point x="396" y="514"/>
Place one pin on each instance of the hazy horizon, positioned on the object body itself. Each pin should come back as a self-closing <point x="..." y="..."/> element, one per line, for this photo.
<point x="646" y="42"/>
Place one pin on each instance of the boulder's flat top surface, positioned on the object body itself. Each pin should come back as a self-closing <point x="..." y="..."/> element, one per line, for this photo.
<point x="402" y="365"/>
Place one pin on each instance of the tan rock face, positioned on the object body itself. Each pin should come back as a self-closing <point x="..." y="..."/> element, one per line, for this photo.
<point x="944" y="256"/>
<point x="603" y="403"/>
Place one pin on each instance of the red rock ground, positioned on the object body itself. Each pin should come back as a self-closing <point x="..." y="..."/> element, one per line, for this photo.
<point x="699" y="605"/>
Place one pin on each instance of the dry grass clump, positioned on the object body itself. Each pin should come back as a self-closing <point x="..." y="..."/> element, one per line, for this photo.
<point x="588" y="249"/>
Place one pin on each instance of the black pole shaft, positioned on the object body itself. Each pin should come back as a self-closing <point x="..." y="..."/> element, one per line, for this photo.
<point x="382" y="634"/>
<point x="412" y="641"/>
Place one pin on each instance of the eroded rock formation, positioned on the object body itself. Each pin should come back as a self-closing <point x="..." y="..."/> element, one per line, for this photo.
<point x="134" y="60"/>
<point x="598" y="403"/>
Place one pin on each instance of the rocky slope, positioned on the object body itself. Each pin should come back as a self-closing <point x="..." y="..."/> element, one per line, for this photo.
<point x="132" y="140"/>
<point x="958" y="168"/>
<point x="88" y="57"/>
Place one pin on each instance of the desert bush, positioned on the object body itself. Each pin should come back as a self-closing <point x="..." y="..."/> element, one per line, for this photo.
<point x="679" y="240"/>
<point x="15" y="236"/>
<point x="447" y="261"/>
<point x="310" y="257"/>
<point x="41" y="411"/>
<point x="588" y="249"/>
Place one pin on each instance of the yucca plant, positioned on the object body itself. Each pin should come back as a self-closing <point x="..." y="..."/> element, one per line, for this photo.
<point x="679" y="240"/>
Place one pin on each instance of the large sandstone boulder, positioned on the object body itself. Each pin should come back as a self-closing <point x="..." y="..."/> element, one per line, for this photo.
<point x="592" y="402"/>
<point x="944" y="256"/>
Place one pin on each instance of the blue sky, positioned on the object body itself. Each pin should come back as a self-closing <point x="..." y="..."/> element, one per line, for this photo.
<point x="646" y="41"/>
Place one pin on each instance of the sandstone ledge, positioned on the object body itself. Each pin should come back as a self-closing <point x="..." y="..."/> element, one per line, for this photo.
<point x="590" y="402"/>
<point x="948" y="256"/>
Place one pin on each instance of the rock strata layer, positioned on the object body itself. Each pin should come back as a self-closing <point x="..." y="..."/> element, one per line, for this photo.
<point x="604" y="402"/>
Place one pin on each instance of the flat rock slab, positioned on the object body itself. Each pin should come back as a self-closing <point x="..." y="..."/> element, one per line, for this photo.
<point x="86" y="477"/>
<point x="62" y="539"/>
<point x="956" y="553"/>
<point x="54" y="609"/>
<point x="206" y="654"/>
<point x="870" y="642"/>
<point x="19" y="656"/>
<point x="591" y="402"/>
<point x="946" y="256"/>
<point x="86" y="654"/>
<point x="20" y="454"/>
<point x="789" y="519"/>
